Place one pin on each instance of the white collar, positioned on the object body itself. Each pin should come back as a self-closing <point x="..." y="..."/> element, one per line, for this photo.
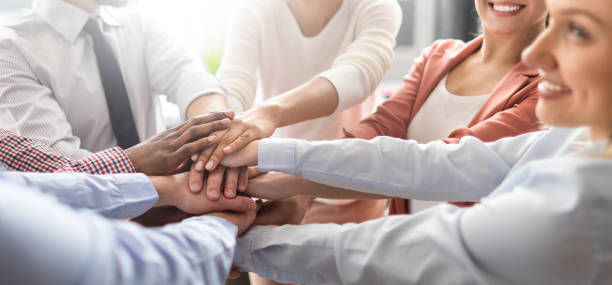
<point x="69" y="20"/>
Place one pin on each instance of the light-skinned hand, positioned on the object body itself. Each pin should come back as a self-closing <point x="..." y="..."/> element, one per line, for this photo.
<point x="245" y="128"/>
<point x="174" y="191"/>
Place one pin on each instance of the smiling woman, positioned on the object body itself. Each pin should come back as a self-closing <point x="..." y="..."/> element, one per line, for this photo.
<point x="574" y="57"/>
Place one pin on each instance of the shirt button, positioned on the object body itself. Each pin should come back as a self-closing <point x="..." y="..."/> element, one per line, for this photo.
<point x="275" y="275"/>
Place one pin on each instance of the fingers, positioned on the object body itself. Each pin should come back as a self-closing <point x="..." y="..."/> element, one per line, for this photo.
<point x="198" y="131"/>
<point x="243" y="140"/>
<point x="231" y="182"/>
<point x="213" y="184"/>
<point x="196" y="177"/>
<point x="218" y="153"/>
<point x="206" y="118"/>
<point x="237" y="204"/>
<point x="254" y="172"/>
<point x="243" y="179"/>
<point x="192" y="150"/>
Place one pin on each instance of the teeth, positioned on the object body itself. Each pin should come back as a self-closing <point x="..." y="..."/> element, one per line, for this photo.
<point x="506" y="8"/>
<point x="546" y="85"/>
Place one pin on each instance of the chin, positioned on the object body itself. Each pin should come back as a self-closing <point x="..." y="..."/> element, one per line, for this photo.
<point x="555" y="116"/>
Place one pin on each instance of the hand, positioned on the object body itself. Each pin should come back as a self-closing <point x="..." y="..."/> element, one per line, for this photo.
<point x="173" y="191"/>
<point x="243" y="220"/>
<point x="246" y="156"/>
<point x="289" y="211"/>
<point x="235" y="179"/>
<point x="163" y="153"/>
<point x="258" y="123"/>
<point x="274" y="186"/>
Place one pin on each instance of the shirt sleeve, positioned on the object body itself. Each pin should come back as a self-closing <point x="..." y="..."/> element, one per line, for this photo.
<point x="544" y="227"/>
<point x="357" y="72"/>
<point x="436" y="171"/>
<point x="37" y="232"/>
<point x="174" y="70"/>
<point x="117" y="196"/>
<point x="26" y="155"/>
<point x="36" y="113"/>
<point x="238" y="71"/>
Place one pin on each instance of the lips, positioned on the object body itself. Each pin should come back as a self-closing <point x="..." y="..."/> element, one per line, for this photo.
<point x="548" y="90"/>
<point x="506" y="9"/>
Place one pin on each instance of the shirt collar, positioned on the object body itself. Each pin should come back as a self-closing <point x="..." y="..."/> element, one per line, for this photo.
<point x="69" y="20"/>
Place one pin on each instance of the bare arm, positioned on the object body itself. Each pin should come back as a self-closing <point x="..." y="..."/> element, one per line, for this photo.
<point x="277" y="185"/>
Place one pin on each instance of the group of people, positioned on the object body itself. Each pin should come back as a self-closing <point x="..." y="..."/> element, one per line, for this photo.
<point x="512" y="129"/>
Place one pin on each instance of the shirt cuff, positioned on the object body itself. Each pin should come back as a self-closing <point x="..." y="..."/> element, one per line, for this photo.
<point x="138" y="195"/>
<point x="244" y="247"/>
<point x="277" y="155"/>
<point x="109" y="161"/>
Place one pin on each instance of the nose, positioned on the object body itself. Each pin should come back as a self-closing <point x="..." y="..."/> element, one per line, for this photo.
<point x="540" y="54"/>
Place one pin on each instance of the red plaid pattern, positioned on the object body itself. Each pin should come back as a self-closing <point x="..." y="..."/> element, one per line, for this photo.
<point x="26" y="155"/>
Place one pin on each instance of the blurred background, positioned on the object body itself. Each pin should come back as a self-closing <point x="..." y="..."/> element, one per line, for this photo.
<point x="201" y="26"/>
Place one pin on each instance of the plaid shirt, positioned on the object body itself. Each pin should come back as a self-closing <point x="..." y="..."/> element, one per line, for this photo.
<point x="26" y="155"/>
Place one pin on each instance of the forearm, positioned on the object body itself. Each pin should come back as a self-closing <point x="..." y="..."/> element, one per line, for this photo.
<point x="314" y="99"/>
<point x="205" y="104"/>
<point x="306" y="187"/>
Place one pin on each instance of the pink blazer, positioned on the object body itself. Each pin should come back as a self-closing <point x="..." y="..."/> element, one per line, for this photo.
<point x="508" y="111"/>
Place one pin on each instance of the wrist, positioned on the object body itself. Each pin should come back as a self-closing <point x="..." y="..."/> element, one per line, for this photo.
<point x="164" y="191"/>
<point x="271" y="112"/>
<point x="132" y="155"/>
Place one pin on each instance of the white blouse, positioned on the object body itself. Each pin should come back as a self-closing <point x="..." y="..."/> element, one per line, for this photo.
<point x="442" y="113"/>
<point x="266" y="49"/>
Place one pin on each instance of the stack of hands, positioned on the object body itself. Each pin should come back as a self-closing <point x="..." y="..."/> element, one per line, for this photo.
<point x="182" y="164"/>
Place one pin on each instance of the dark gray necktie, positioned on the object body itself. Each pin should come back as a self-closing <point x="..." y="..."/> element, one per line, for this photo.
<point x="122" y="120"/>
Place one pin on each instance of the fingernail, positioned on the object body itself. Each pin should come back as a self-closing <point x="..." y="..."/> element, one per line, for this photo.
<point x="195" y="186"/>
<point x="214" y="193"/>
<point x="211" y="139"/>
<point x="227" y="148"/>
<point x="194" y="157"/>
<point x="199" y="166"/>
<point x="252" y="205"/>
<point x="209" y="165"/>
<point x="225" y="121"/>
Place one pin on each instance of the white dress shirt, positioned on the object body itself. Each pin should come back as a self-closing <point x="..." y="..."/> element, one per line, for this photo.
<point x="545" y="218"/>
<point x="50" y="83"/>
<point x="266" y="48"/>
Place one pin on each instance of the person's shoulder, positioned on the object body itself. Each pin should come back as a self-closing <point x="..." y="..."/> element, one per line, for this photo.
<point x="28" y="26"/>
